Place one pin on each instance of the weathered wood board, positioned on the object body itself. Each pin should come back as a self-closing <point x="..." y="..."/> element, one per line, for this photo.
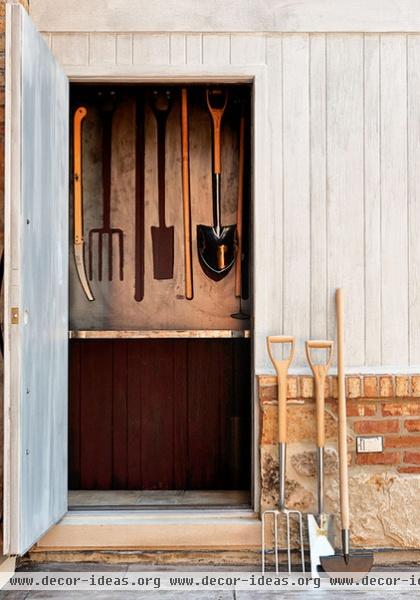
<point x="164" y="305"/>
<point x="36" y="283"/>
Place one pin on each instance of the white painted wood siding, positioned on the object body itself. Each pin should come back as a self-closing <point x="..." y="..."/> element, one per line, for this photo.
<point x="342" y="155"/>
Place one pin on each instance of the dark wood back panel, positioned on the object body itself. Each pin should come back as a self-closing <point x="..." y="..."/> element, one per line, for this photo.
<point x="160" y="414"/>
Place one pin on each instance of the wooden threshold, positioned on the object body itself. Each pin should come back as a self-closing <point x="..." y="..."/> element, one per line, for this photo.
<point x="158" y="333"/>
<point x="153" y="530"/>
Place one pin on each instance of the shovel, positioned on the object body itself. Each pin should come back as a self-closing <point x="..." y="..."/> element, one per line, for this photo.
<point x="217" y="243"/>
<point x="162" y="236"/>
<point x="320" y="526"/>
<point x="344" y="563"/>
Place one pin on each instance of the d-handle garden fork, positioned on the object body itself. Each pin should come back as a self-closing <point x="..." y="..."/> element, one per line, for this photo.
<point x="282" y="366"/>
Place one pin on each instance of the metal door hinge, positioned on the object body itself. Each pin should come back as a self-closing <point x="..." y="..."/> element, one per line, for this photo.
<point x="15" y="315"/>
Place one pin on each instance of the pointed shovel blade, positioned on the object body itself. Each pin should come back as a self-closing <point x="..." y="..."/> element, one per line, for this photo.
<point x="216" y="250"/>
<point x="163" y="252"/>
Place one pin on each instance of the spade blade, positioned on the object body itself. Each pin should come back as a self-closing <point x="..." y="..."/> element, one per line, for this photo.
<point x="163" y="252"/>
<point x="216" y="251"/>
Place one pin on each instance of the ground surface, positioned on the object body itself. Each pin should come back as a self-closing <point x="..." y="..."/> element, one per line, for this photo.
<point x="387" y="594"/>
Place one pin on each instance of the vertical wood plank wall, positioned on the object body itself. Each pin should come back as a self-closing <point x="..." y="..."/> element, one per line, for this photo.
<point x="343" y="177"/>
<point x="159" y="414"/>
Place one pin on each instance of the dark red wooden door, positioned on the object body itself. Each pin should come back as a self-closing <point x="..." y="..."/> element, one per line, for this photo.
<point x="159" y="414"/>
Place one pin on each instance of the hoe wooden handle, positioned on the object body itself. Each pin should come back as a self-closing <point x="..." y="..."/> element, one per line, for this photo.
<point x="79" y="115"/>
<point x="320" y="372"/>
<point x="342" y="414"/>
<point x="217" y="116"/>
<point x="281" y="366"/>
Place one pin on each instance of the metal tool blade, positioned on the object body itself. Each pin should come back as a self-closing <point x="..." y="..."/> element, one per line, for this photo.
<point x="320" y="532"/>
<point x="79" y="259"/>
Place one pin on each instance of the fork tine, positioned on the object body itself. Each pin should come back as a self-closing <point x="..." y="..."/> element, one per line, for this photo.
<point x="100" y="256"/>
<point x="121" y="246"/>
<point x="110" y="234"/>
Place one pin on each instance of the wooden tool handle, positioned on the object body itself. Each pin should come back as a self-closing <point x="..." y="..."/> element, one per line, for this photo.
<point x="281" y="366"/>
<point x="240" y="206"/>
<point x="186" y="204"/>
<point x="217" y="116"/>
<point x="320" y="372"/>
<point x="342" y="416"/>
<point x="79" y="115"/>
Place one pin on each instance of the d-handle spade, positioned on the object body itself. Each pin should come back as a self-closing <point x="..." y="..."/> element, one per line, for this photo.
<point x="320" y="526"/>
<point x="282" y="366"/>
<point x="360" y="563"/>
<point x="78" y="238"/>
<point x="217" y="243"/>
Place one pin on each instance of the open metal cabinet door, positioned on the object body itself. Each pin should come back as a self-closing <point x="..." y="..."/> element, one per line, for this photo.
<point x="36" y="286"/>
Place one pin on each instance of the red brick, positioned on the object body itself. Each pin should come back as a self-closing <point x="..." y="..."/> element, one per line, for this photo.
<point x="380" y="458"/>
<point x="412" y="457"/>
<point x="406" y="441"/>
<point x="412" y="425"/>
<point x="354" y="388"/>
<point x="386" y="386"/>
<point x="370" y="387"/>
<point x="402" y="386"/>
<point x="361" y="409"/>
<point x="391" y="426"/>
<point x="408" y="469"/>
<point x="415" y="385"/>
<point x="400" y="409"/>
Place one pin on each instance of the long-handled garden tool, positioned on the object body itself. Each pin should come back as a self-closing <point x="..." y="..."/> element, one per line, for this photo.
<point x="78" y="239"/>
<point x="282" y="366"/>
<point x="106" y="231"/>
<point x="239" y="217"/>
<point x="216" y="243"/>
<point x="139" y="203"/>
<point x="344" y="563"/>
<point x="162" y="236"/>
<point x="186" y="200"/>
<point x="320" y="526"/>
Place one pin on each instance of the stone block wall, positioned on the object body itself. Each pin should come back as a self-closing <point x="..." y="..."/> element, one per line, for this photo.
<point x="384" y="487"/>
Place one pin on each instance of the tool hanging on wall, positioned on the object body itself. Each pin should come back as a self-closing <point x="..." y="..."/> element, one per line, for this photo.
<point x="107" y="108"/>
<point x="78" y="238"/>
<point x="162" y="236"/>
<point x="139" y="202"/>
<point x="320" y="526"/>
<point x="282" y="366"/>
<point x="186" y="199"/>
<point x="217" y="243"/>
<point x="362" y="561"/>
<point x="239" y="216"/>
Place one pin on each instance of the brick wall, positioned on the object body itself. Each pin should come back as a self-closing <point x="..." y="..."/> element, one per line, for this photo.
<point x="384" y="487"/>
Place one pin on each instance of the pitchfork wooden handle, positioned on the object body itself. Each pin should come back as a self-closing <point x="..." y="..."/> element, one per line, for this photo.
<point x="217" y="116"/>
<point x="281" y="366"/>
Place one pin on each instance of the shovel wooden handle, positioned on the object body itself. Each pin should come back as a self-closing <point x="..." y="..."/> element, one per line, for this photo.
<point x="79" y="115"/>
<point x="342" y="414"/>
<point x="281" y="366"/>
<point x="217" y="116"/>
<point x="186" y="195"/>
<point x="320" y="372"/>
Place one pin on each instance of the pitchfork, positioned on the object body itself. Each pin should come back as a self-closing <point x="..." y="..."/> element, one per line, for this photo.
<point x="107" y="110"/>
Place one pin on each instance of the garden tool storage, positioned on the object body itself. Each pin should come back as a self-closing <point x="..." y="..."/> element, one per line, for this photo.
<point x="160" y="376"/>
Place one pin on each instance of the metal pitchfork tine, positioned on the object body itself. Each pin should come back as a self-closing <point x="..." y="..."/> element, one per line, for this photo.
<point x="281" y="366"/>
<point x="107" y="110"/>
